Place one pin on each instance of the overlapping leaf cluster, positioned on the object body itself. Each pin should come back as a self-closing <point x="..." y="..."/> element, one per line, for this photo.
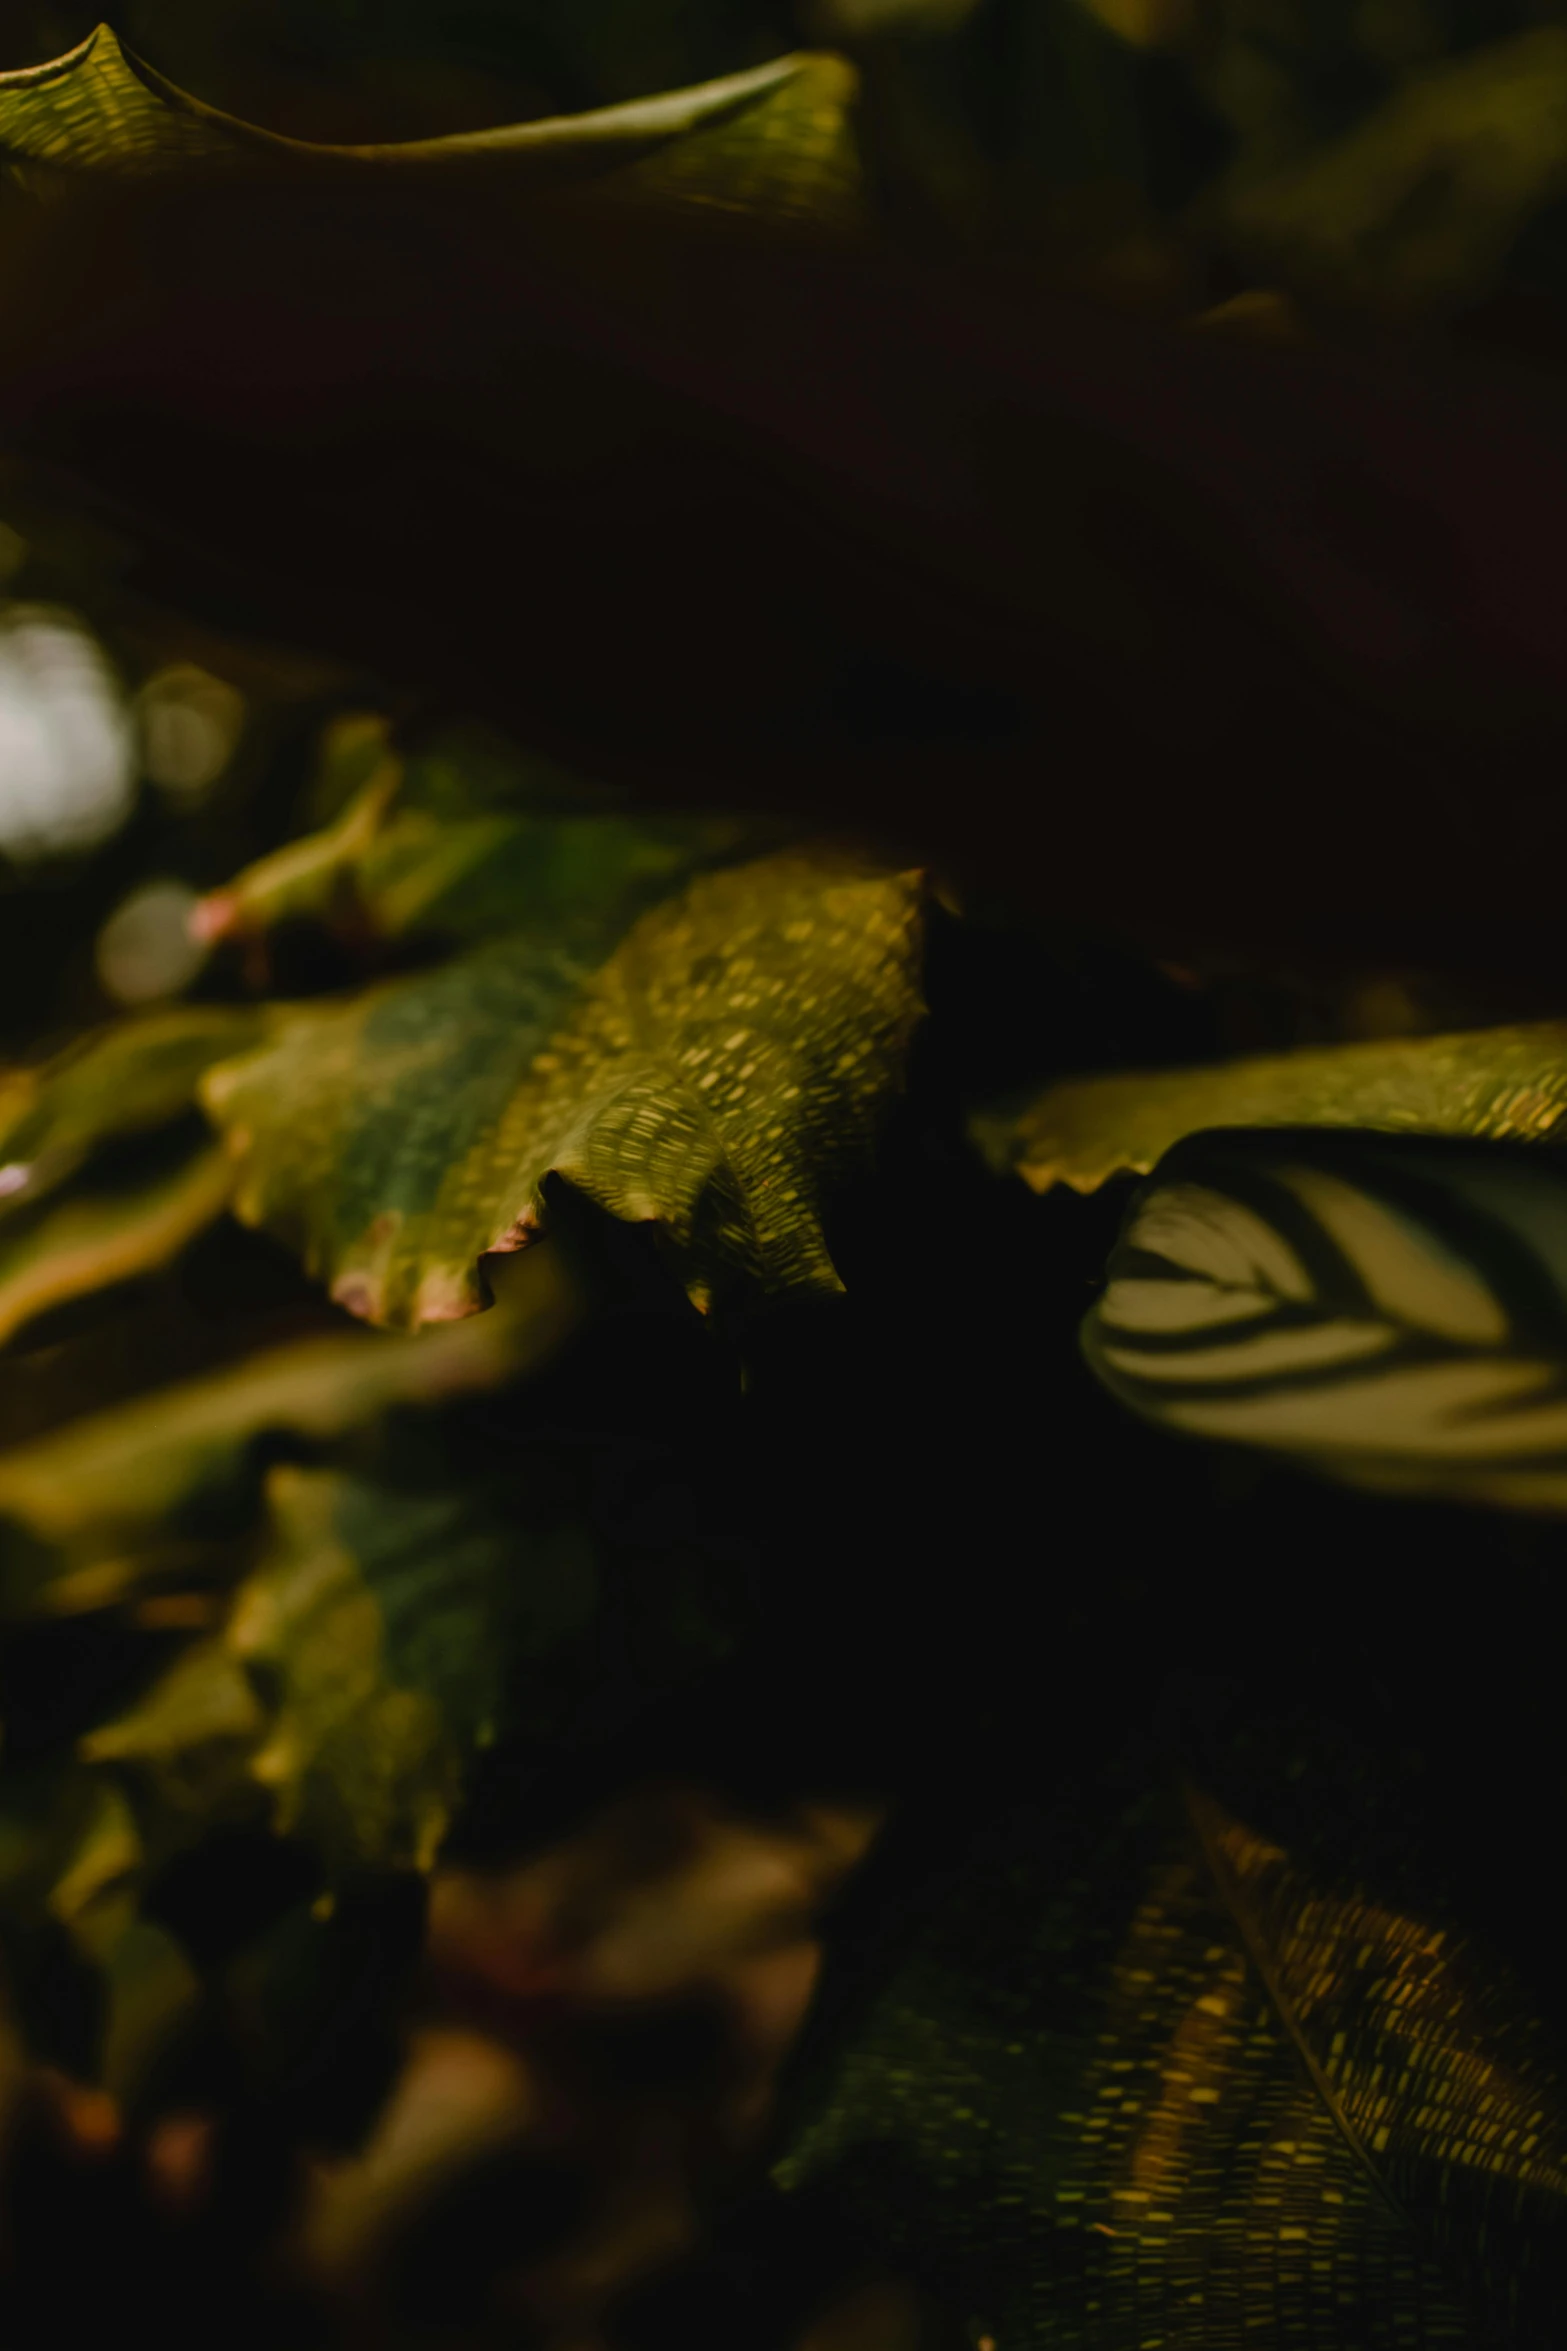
<point x="690" y="1025"/>
<point x="695" y="1025"/>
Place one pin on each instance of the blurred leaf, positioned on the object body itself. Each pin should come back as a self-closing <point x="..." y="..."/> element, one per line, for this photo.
<point x="118" y="1081"/>
<point x="193" y="1734"/>
<point x="401" y="1618"/>
<point x="92" y="1512"/>
<point x="407" y="858"/>
<point x="407" y="1629"/>
<point x="1509" y="1082"/>
<point x="716" y="1075"/>
<point x="378" y="1615"/>
<point x="773" y="138"/>
<point x="1062" y="2079"/>
<point x="69" y="1248"/>
<point x="76" y="1853"/>
<point x="1026" y="125"/>
<point x="1384" y="1310"/>
<point x="1417" y="206"/>
<point x="95" y="1895"/>
<point x="151" y="1987"/>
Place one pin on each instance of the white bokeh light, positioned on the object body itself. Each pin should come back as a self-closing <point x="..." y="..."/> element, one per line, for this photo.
<point x="67" y="748"/>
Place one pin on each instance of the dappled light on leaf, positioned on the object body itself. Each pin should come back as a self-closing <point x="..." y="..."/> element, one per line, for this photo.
<point x="1126" y="2045"/>
<point x="728" y="1062"/>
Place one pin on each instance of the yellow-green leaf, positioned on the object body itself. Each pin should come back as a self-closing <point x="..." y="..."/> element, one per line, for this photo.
<point x="192" y="1734"/>
<point x="152" y="1488"/>
<point x="1505" y="1083"/>
<point x="725" y="1066"/>
<point x="69" y="1247"/>
<point x="774" y="138"/>
<point x="117" y="1081"/>
<point x="380" y="1619"/>
<point x="399" y="1620"/>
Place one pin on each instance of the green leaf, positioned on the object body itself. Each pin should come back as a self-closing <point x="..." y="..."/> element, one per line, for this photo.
<point x="359" y="1753"/>
<point x="162" y="1486"/>
<point x="72" y="1247"/>
<point x="403" y="1616"/>
<point x="1383" y="1310"/>
<point x="422" y="851"/>
<point x="772" y="138"/>
<point x="726" y="1064"/>
<point x="398" y="1626"/>
<point x="1417" y="207"/>
<point x="1505" y="1083"/>
<point x="76" y="1851"/>
<point x="1129" y="2068"/>
<point x="117" y="1081"/>
<point x="192" y="1736"/>
<point x="65" y="1837"/>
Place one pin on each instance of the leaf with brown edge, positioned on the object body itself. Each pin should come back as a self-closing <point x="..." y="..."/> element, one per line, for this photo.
<point x="725" y="1066"/>
<point x="1506" y="1083"/>
<point x="161" y="1487"/>
<point x="123" y="1080"/>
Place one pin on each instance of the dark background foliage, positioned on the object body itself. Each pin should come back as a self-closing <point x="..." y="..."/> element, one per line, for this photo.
<point x="973" y="1573"/>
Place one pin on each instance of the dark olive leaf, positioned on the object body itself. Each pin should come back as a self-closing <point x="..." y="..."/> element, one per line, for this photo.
<point x="1382" y="1309"/>
<point x="162" y="1486"/>
<point x="77" y="1850"/>
<point x="1504" y="1083"/>
<point x="773" y="138"/>
<point x="394" y="1627"/>
<point x="727" y="1063"/>
<point x="1416" y="207"/>
<point x="1133" y="2075"/>
<point x="118" y="1081"/>
<point x="70" y="1247"/>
